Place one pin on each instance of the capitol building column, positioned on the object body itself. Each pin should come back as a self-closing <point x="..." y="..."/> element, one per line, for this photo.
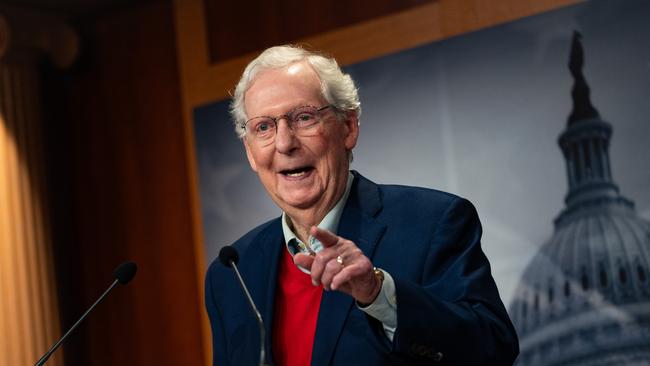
<point x="29" y="317"/>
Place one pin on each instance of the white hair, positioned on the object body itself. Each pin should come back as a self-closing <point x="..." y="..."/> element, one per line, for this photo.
<point x="337" y="87"/>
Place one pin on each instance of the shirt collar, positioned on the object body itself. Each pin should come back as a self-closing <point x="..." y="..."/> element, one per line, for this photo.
<point x="330" y="222"/>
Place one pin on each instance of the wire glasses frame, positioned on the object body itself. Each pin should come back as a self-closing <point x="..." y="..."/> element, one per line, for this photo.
<point x="302" y="121"/>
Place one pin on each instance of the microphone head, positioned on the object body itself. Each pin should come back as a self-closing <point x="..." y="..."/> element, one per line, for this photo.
<point x="125" y="272"/>
<point x="228" y="255"/>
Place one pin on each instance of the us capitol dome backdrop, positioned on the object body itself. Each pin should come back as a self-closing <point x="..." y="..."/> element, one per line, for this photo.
<point x="584" y="299"/>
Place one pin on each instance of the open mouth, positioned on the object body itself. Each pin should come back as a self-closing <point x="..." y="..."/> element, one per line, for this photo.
<point x="298" y="172"/>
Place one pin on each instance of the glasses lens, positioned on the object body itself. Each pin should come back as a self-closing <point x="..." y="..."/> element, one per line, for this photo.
<point x="261" y="127"/>
<point x="304" y="117"/>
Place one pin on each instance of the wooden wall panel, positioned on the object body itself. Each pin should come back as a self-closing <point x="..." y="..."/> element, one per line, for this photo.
<point x="118" y="178"/>
<point x="235" y="28"/>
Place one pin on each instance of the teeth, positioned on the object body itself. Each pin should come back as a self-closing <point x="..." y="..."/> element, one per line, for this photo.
<point x="296" y="174"/>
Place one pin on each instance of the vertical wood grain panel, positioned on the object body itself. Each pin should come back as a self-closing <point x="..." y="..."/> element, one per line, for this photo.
<point x="236" y="28"/>
<point x="116" y="148"/>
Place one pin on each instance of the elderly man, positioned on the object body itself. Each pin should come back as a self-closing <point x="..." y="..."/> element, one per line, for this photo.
<point x="352" y="273"/>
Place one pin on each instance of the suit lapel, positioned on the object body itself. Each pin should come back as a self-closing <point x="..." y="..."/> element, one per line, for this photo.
<point x="357" y="224"/>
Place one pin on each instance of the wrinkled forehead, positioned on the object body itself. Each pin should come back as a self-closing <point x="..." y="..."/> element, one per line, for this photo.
<point x="298" y="70"/>
<point x="281" y="88"/>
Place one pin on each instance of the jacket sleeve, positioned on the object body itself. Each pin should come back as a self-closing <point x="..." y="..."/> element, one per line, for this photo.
<point x="454" y="314"/>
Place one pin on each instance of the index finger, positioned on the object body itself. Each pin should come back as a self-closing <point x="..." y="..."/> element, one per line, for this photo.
<point x="326" y="237"/>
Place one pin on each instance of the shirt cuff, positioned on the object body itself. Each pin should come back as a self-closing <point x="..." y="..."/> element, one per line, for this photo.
<point x="384" y="308"/>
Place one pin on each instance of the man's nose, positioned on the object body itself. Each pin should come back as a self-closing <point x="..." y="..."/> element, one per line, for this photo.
<point x="285" y="138"/>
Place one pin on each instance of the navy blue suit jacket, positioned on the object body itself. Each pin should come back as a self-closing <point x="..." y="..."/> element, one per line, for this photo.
<point x="448" y="308"/>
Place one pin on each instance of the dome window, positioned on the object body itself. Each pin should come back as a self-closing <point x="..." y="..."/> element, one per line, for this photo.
<point x="622" y="275"/>
<point x="603" y="276"/>
<point x="587" y="157"/>
<point x="584" y="279"/>
<point x="567" y="289"/>
<point x="578" y="167"/>
<point x="641" y="273"/>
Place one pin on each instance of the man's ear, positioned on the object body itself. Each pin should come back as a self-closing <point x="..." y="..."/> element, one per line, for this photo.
<point x="351" y="123"/>
<point x="249" y="155"/>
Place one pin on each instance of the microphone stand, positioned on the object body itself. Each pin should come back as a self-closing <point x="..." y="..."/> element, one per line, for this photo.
<point x="56" y="345"/>
<point x="260" y="323"/>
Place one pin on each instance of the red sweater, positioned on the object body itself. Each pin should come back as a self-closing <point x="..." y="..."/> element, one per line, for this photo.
<point x="296" y="311"/>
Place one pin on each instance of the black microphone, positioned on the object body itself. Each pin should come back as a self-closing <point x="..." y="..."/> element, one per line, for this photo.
<point x="229" y="257"/>
<point x="123" y="274"/>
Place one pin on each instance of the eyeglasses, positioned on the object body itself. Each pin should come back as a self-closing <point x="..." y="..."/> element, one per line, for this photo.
<point x="302" y="121"/>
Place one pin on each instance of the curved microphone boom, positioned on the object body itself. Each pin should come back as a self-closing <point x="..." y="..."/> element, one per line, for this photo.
<point x="229" y="258"/>
<point x="123" y="274"/>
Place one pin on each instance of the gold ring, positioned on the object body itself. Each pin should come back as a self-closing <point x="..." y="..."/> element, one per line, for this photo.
<point x="339" y="260"/>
